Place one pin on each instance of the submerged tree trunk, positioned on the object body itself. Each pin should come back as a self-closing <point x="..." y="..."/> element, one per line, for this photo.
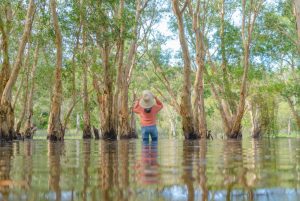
<point x="6" y="110"/>
<point x="124" y="129"/>
<point x="108" y="130"/>
<point x="55" y="130"/>
<point x="185" y="106"/>
<point x="86" y="110"/>
<point x="199" y="109"/>
<point x="120" y="66"/>
<point x="29" y="128"/>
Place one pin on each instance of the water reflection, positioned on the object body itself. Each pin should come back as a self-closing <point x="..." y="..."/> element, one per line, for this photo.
<point x="5" y="167"/>
<point x="174" y="170"/>
<point x="148" y="166"/>
<point x="55" y="150"/>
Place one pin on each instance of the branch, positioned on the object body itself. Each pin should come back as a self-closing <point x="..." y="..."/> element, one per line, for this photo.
<point x="184" y="6"/>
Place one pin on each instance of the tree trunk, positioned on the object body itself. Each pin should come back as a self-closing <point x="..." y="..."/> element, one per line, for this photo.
<point x="6" y="110"/>
<point x="120" y="64"/>
<point x="255" y="119"/>
<point x="74" y="93"/>
<point x="55" y="130"/>
<point x="5" y="70"/>
<point x="124" y="129"/>
<point x="199" y="114"/>
<point x="297" y="9"/>
<point x="87" y="134"/>
<point x="108" y="130"/>
<point x="25" y="94"/>
<point x="236" y="129"/>
<point x="185" y="106"/>
<point x="294" y="112"/>
<point x="29" y="128"/>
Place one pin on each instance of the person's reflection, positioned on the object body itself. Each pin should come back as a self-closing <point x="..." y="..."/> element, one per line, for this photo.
<point x="55" y="150"/>
<point x="6" y="153"/>
<point x="148" y="167"/>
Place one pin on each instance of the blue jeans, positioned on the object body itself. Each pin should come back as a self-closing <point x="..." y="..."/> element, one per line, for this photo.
<point x="149" y="130"/>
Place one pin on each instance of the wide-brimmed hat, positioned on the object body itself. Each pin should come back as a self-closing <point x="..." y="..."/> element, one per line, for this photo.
<point x="147" y="100"/>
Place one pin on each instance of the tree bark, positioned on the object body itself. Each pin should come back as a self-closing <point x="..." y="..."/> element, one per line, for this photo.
<point x="185" y="106"/>
<point x="120" y="57"/>
<point x="5" y="70"/>
<point x="297" y="9"/>
<point x="87" y="134"/>
<point x="29" y="128"/>
<point x="199" y="109"/>
<point x="25" y="94"/>
<point x="55" y="130"/>
<point x="294" y="112"/>
<point x="108" y="130"/>
<point x="6" y="110"/>
<point x="236" y="131"/>
<point x="124" y="129"/>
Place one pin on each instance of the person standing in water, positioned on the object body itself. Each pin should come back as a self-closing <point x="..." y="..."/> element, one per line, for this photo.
<point x="147" y="108"/>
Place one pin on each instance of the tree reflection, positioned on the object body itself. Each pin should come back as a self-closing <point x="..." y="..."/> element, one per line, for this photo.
<point x="86" y="165"/>
<point x="190" y="148"/>
<point x="202" y="169"/>
<point x="6" y="152"/>
<point x="108" y="170"/>
<point x="55" y="150"/>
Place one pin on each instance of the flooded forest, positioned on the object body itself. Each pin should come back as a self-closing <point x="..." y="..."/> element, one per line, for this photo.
<point x="82" y="82"/>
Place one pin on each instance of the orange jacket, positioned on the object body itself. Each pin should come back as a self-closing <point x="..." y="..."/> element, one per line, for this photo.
<point x="148" y="119"/>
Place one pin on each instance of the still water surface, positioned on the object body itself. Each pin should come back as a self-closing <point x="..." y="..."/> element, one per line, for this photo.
<point x="174" y="170"/>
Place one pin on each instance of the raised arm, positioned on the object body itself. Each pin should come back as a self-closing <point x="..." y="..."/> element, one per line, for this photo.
<point x="158" y="105"/>
<point x="136" y="107"/>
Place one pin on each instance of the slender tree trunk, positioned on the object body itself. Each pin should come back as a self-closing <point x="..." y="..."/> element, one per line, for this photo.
<point x="236" y="129"/>
<point x="86" y="113"/>
<point x="5" y="70"/>
<point x="297" y="9"/>
<point x="55" y="130"/>
<point x="18" y="91"/>
<point x="227" y="87"/>
<point x="199" y="109"/>
<point x="185" y="106"/>
<point x="29" y="128"/>
<point x="6" y="110"/>
<point x="74" y="93"/>
<point x="294" y="112"/>
<point x="120" y="57"/>
<point x="25" y="93"/>
<point x="254" y="111"/>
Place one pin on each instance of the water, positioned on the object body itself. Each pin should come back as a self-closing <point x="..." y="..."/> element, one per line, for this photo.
<point x="170" y="170"/>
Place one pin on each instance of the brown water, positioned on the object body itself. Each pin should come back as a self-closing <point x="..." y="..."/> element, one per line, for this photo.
<point x="170" y="170"/>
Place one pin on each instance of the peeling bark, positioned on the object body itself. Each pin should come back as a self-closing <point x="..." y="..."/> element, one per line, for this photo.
<point x="6" y="110"/>
<point x="185" y="105"/>
<point x="55" y="129"/>
<point x="29" y="128"/>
